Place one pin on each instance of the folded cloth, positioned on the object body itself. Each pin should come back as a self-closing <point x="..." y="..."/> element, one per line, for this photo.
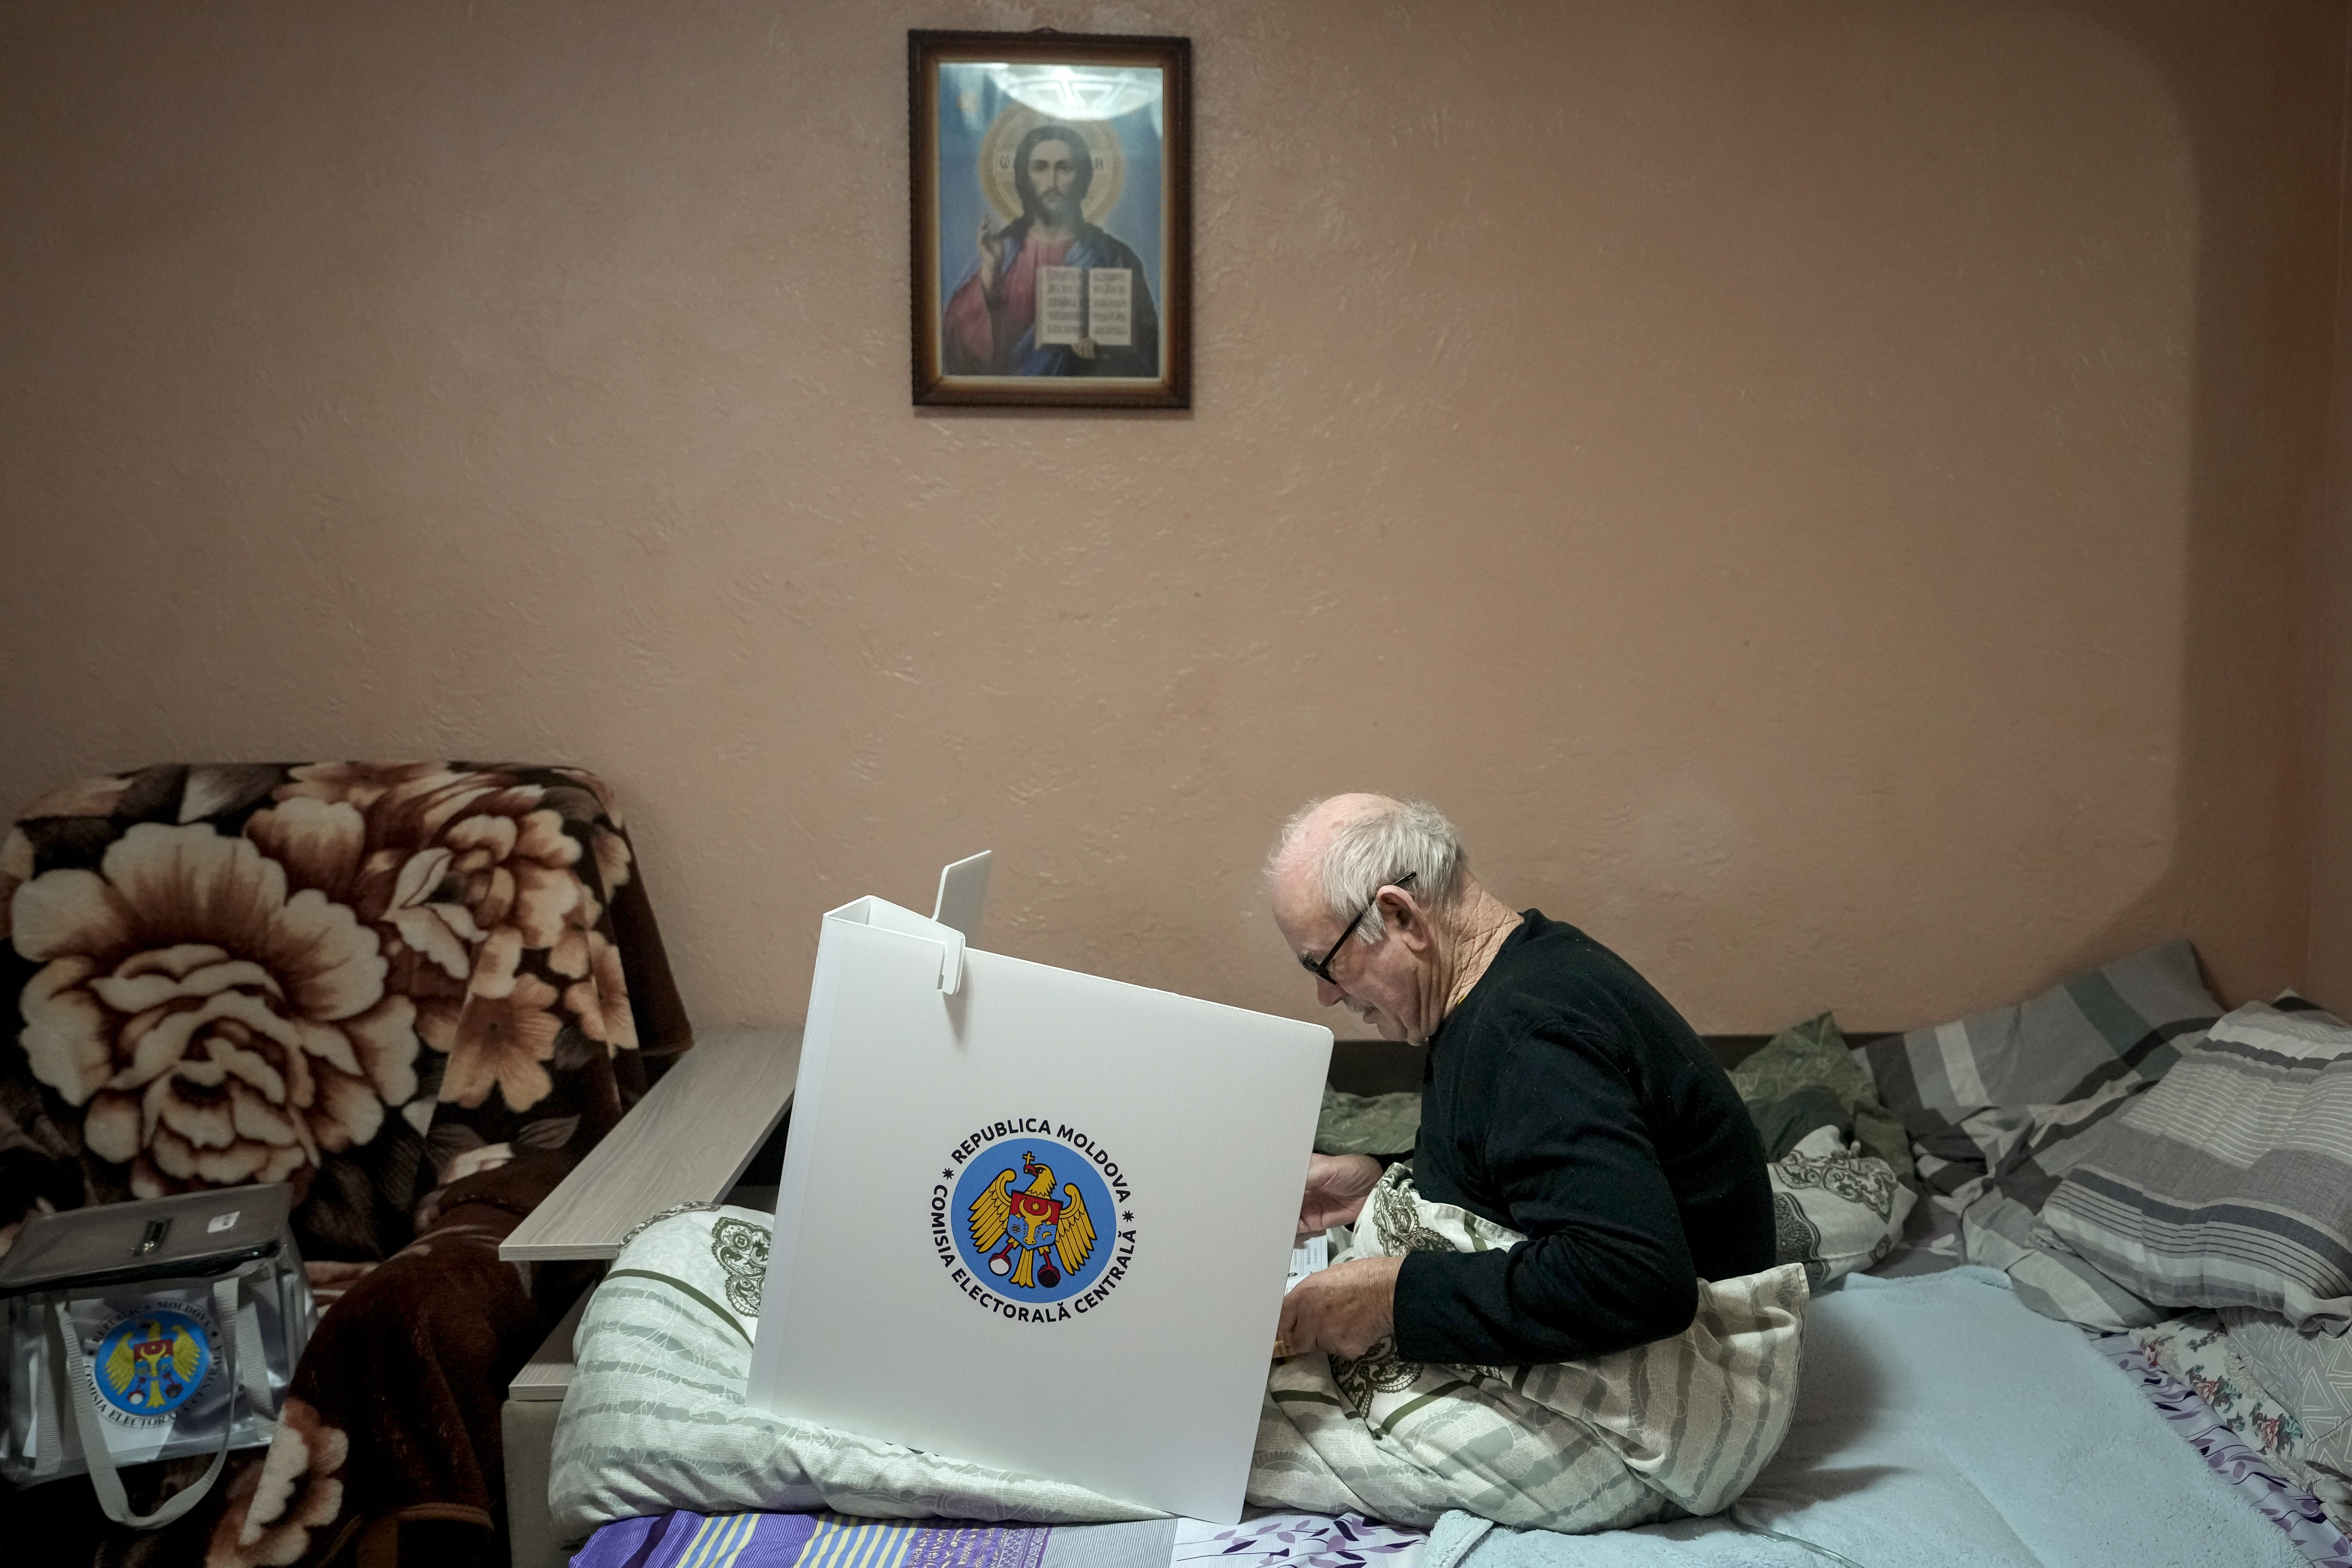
<point x="2287" y="1395"/>
<point x="1664" y="1430"/>
<point x="2266" y="1478"/>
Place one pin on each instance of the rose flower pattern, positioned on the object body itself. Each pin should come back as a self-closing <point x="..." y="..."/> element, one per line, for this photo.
<point x="216" y="1028"/>
<point x="273" y="1510"/>
<point x="473" y="883"/>
<point x="372" y="981"/>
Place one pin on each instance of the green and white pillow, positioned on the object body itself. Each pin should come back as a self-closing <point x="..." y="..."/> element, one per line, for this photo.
<point x="1834" y="1208"/>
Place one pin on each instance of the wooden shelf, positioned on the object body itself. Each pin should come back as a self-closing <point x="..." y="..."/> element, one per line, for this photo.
<point x="685" y="1142"/>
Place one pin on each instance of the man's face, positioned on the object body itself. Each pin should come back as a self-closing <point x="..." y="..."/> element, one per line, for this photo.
<point x="1053" y="175"/>
<point x="1379" y="983"/>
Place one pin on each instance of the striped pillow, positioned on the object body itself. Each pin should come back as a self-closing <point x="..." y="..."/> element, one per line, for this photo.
<point x="2229" y="1184"/>
<point x="2129" y="1019"/>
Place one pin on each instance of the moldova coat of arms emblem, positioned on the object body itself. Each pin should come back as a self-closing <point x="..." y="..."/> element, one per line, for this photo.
<point x="151" y="1363"/>
<point x="1037" y="1226"/>
<point x="1027" y="1230"/>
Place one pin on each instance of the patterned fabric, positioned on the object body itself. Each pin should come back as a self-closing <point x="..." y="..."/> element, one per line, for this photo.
<point x="415" y="992"/>
<point x="1834" y="1208"/>
<point x="2003" y="1106"/>
<point x="2123" y="1024"/>
<point x="684" y="1540"/>
<point x="366" y="980"/>
<point x="655" y="1417"/>
<point x="1805" y="1077"/>
<point x="1661" y="1431"/>
<point x="1367" y="1123"/>
<point x="1284" y="1539"/>
<point x="2309" y="1379"/>
<point x="1262" y="1539"/>
<point x="2284" y="1395"/>
<point x="2270" y="1491"/>
<point x="2025" y="1152"/>
<point x="2229" y="1184"/>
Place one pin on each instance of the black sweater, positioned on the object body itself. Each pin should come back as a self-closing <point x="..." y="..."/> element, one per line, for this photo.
<point x="1566" y="1099"/>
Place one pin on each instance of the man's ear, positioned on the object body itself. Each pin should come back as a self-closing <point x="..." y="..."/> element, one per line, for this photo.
<point x="1406" y="918"/>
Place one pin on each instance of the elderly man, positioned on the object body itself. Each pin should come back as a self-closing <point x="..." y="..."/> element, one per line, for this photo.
<point x="1563" y="1097"/>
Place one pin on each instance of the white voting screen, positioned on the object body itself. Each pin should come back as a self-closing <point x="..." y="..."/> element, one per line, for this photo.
<point x="1033" y="1218"/>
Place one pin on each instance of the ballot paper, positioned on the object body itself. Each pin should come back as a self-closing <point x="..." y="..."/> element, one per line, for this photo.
<point x="1309" y="1257"/>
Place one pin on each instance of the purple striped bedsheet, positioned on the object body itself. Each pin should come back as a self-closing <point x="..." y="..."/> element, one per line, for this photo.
<point x="684" y="1540"/>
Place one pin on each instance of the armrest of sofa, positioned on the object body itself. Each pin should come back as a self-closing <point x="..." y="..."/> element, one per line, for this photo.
<point x="685" y="1143"/>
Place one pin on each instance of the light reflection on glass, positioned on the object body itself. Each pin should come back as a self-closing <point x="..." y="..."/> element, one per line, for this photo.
<point x="1079" y="92"/>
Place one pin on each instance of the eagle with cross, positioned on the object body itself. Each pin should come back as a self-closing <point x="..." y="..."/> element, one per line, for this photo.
<point x="1026" y="1233"/>
<point x="149" y="1367"/>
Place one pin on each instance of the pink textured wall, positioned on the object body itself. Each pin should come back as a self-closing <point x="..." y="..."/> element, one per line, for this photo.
<point x="2324" y="622"/>
<point x="2329" y="973"/>
<point x="1815" y="489"/>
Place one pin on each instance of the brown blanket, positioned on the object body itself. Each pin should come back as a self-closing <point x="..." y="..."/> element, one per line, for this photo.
<point x="418" y="992"/>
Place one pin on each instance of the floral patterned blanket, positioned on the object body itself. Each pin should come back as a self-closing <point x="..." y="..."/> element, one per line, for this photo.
<point x="2287" y="1395"/>
<point x="417" y="993"/>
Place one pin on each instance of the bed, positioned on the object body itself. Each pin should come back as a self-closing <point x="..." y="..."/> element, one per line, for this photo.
<point x="1978" y="1392"/>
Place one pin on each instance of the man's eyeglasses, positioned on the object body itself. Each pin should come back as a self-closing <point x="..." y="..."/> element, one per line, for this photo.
<point x="1321" y="967"/>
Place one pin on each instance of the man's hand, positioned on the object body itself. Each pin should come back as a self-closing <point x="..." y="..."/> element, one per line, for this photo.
<point x="1344" y="1310"/>
<point x="1337" y="1186"/>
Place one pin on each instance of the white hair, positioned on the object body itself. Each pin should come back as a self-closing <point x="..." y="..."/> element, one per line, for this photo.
<point x="1378" y="846"/>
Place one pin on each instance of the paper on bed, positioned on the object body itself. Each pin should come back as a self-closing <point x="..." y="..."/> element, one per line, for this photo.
<point x="1309" y="1257"/>
<point x="1034" y="1219"/>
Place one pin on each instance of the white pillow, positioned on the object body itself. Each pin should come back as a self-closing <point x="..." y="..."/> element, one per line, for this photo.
<point x="1835" y="1209"/>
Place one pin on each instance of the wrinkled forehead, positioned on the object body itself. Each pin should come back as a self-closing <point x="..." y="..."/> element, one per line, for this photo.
<point x="1298" y="914"/>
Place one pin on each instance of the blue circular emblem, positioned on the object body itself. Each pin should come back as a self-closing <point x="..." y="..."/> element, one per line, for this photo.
<point x="1038" y="1220"/>
<point x="152" y="1362"/>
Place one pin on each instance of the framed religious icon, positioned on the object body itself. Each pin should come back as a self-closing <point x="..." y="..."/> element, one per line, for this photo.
<point x="1052" y="219"/>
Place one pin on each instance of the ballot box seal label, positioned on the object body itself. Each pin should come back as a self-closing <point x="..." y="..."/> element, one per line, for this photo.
<point x="1034" y="1219"/>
